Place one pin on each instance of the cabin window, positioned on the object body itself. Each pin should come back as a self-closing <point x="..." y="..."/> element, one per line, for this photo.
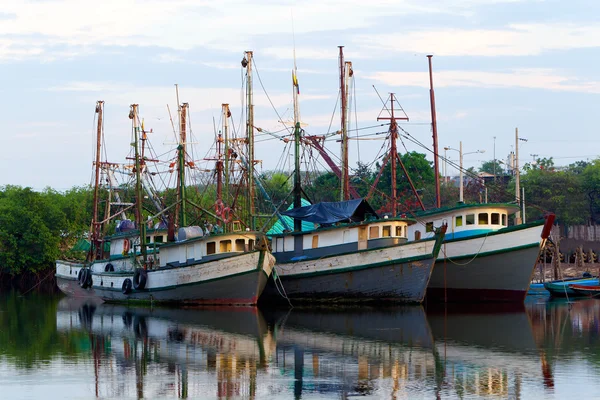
<point x="483" y="219"/>
<point x="224" y="246"/>
<point x="470" y="219"/>
<point x="278" y="247"/>
<point x="240" y="245"/>
<point x="417" y="235"/>
<point x="504" y="219"/>
<point x="159" y="239"/>
<point x="251" y="244"/>
<point x="148" y="239"/>
<point x="373" y="232"/>
<point x="398" y="231"/>
<point x="211" y="248"/>
<point x="315" y="241"/>
<point x="387" y="231"/>
<point x="237" y="226"/>
<point x="458" y="220"/>
<point x="495" y="218"/>
<point x="429" y="227"/>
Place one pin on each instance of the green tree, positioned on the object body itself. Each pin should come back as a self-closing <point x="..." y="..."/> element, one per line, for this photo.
<point x="492" y="167"/>
<point x="31" y="230"/>
<point x="560" y="192"/>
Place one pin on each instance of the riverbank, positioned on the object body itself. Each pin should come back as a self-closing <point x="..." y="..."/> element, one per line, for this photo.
<point x="568" y="270"/>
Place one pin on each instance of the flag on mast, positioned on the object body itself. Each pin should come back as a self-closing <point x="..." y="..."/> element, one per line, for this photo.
<point x="295" y="82"/>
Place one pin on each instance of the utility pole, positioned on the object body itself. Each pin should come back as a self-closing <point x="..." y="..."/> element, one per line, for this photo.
<point x="494" y="159"/>
<point x="517" y="178"/>
<point x="435" y="137"/>
<point x="461" y="198"/>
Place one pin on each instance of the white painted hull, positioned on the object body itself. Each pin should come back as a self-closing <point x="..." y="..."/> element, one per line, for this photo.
<point x="397" y="273"/>
<point x="238" y="279"/>
<point x="496" y="267"/>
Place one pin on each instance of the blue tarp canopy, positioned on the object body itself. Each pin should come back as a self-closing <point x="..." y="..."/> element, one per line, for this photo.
<point x="329" y="213"/>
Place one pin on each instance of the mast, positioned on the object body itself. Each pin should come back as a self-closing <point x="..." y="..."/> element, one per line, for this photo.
<point x="394" y="150"/>
<point x="226" y="115"/>
<point x="250" y="137"/>
<point x="183" y="125"/>
<point x="438" y="199"/>
<point x="344" y="192"/>
<point x="297" y="177"/>
<point x="96" y="248"/>
<point x="181" y="151"/>
<point x="139" y="193"/>
<point x="393" y="155"/>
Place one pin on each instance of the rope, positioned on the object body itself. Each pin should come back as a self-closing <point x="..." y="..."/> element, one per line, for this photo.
<point x="284" y="294"/>
<point x="474" y="257"/>
<point x="37" y="284"/>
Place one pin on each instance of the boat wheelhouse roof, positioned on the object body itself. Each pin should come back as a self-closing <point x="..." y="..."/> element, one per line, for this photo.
<point x="509" y="207"/>
<point x="408" y="221"/>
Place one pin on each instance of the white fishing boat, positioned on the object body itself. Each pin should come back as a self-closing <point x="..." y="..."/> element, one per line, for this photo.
<point x="482" y="258"/>
<point x="353" y="256"/>
<point x="195" y="266"/>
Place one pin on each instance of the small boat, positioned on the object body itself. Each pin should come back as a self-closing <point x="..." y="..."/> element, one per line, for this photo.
<point x="562" y="288"/>
<point x="586" y="290"/>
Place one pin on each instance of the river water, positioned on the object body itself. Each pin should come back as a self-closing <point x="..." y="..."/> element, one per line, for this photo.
<point x="60" y="348"/>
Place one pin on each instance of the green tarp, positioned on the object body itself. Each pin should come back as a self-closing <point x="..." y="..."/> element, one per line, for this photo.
<point x="278" y="226"/>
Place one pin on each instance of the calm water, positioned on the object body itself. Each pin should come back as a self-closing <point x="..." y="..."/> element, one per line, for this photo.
<point x="57" y="348"/>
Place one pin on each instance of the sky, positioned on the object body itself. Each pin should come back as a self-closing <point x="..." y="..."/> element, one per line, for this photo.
<point x="497" y="65"/>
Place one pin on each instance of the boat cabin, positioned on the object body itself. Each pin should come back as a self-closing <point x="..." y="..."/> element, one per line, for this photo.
<point x="463" y="220"/>
<point x="193" y="250"/>
<point x="339" y="239"/>
<point x="340" y="227"/>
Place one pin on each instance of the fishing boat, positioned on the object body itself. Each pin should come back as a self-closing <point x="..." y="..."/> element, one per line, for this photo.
<point x="195" y="266"/>
<point x="482" y="258"/>
<point x="353" y="256"/>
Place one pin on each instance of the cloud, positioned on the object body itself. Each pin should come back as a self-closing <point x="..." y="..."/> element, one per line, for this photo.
<point x="532" y="78"/>
<point x="228" y="25"/>
<point x="515" y="40"/>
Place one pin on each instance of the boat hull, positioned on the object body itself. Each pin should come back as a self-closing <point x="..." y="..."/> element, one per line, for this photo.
<point x="236" y="280"/>
<point x="585" y="290"/>
<point x="562" y="288"/>
<point x="397" y="273"/>
<point x="493" y="267"/>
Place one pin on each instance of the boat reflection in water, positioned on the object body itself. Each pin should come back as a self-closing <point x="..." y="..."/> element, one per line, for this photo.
<point x="567" y="333"/>
<point x="143" y="352"/>
<point x="360" y="351"/>
<point x="487" y="350"/>
<point x="396" y="352"/>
